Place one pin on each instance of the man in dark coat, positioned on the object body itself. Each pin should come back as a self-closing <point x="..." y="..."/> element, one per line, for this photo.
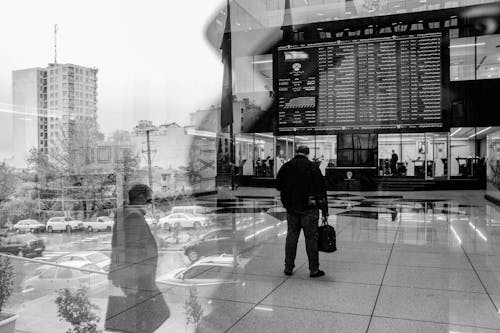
<point x="134" y="258"/>
<point x="303" y="193"/>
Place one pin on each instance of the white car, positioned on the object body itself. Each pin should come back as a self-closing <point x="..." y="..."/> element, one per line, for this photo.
<point x="63" y="224"/>
<point x="193" y="210"/>
<point x="72" y="275"/>
<point x="183" y="220"/>
<point x="209" y="271"/>
<point x="101" y="223"/>
<point x="93" y="257"/>
<point x="28" y="226"/>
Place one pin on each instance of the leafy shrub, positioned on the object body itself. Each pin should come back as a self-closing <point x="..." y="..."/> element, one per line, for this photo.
<point x="76" y="309"/>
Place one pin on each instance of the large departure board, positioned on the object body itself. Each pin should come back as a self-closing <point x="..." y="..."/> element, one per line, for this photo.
<point x="366" y="84"/>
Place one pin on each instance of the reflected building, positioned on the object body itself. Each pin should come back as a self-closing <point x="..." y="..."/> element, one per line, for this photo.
<point x="48" y="103"/>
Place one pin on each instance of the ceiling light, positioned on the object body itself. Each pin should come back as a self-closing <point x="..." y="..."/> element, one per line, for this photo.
<point x="481" y="131"/>
<point x="456" y="235"/>
<point x="456" y="131"/>
<point x="320" y="14"/>
<point x="263" y="308"/>
<point x="466" y="45"/>
<point x="262" y="62"/>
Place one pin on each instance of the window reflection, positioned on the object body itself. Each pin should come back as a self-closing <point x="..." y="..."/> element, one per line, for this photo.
<point x="475" y="58"/>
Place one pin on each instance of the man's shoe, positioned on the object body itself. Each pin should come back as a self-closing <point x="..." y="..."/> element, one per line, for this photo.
<point x="317" y="274"/>
<point x="288" y="272"/>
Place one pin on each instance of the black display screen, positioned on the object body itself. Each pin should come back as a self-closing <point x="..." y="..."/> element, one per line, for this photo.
<point x="366" y="84"/>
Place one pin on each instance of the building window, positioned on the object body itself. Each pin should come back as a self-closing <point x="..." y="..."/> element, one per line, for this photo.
<point x="475" y="58"/>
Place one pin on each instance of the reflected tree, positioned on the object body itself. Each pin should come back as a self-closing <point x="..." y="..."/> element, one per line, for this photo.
<point x="75" y="307"/>
<point x="193" y="309"/>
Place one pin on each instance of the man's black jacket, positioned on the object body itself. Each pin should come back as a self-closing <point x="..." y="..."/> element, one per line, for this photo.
<point x="297" y="180"/>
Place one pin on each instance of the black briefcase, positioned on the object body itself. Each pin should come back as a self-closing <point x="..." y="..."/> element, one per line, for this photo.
<point x="327" y="241"/>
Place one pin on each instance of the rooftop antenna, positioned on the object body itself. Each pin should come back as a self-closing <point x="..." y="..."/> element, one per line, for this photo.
<point x="55" y="44"/>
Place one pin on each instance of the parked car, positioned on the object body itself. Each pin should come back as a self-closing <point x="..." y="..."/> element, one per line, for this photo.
<point x="101" y="260"/>
<point x="101" y="223"/>
<point x="98" y="258"/>
<point x="193" y="210"/>
<point x="217" y="241"/>
<point x="183" y="220"/>
<point x="28" y="226"/>
<point x="63" y="224"/>
<point x="22" y="245"/>
<point x="214" y="270"/>
<point x="73" y="275"/>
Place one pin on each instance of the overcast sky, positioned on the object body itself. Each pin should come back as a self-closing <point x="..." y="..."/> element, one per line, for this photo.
<point x="154" y="62"/>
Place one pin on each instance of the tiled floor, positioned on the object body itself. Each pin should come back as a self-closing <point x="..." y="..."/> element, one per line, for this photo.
<point x="406" y="262"/>
<point x="426" y="270"/>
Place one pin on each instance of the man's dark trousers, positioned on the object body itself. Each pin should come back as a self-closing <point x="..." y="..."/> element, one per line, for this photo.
<point x="308" y="221"/>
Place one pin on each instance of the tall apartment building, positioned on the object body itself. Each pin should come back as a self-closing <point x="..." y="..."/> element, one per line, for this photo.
<point x="48" y="102"/>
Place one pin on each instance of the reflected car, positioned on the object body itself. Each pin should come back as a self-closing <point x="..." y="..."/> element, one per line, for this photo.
<point x="63" y="224"/>
<point x="214" y="270"/>
<point x="217" y="241"/>
<point x="22" y="245"/>
<point x="183" y="220"/>
<point x="101" y="260"/>
<point x="193" y="210"/>
<point x="71" y="276"/>
<point x="28" y="225"/>
<point x="101" y="223"/>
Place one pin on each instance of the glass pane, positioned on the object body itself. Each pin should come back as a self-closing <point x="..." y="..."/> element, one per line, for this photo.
<point x="488" y="57"/>
<point x="493" y="157"/>
<point x="413" y="154"/>
<point x="462" y="151"/>
<point x="326" y="151"/>
<point x="389" y="152"/>
<point x="284" y="150"/>
<point x="437" y="156"/>
<point x="244" y="153"/>
<point x="462" y="59"/>
<point x="264" y="153"/>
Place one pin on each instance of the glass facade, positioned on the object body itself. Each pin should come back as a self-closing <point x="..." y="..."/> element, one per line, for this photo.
<point x="432" y="155"/>
<point x="133" y="198"/>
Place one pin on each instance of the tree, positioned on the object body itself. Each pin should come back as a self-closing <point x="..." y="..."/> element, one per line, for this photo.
<point x="75" y="307"/>
<point x="19" y="208"/>
<point x="6" y="280"/>
<point x="8" y="181"/>
<point x="67" y="172"/>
